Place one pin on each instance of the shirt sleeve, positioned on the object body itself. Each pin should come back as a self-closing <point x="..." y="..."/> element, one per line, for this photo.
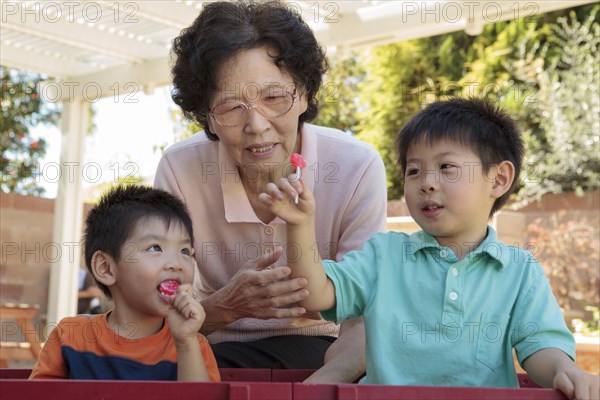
<point x="367" y="210"/>
<point x="354" y="278"/>
<point x="50" y="363"/>
<point x="538" y="322"/>
<point x="209" y="359"/>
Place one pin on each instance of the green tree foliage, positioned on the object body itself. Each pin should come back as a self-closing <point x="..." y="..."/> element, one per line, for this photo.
<point x="543" y="69"/>
<point x="395" y="71"/>
<point x="338" y="104"/>
<point x="566" y="145"/>
<point x="22" y="108"/>
<point x="401" y="78"/>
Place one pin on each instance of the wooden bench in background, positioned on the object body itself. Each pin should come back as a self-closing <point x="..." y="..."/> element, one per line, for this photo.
<point x="22" y="316"/>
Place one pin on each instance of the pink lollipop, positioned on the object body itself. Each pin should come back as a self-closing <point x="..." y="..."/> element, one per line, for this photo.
<point x="297" y="162"/>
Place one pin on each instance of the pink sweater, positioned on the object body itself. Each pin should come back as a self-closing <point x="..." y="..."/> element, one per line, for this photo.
<point x="347" y="178"/>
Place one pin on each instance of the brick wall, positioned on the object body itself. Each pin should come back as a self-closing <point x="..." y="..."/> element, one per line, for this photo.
<point x="27" y="250"/>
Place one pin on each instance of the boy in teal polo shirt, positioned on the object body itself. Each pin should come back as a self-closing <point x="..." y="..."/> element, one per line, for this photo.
<point x="445" y="305"/>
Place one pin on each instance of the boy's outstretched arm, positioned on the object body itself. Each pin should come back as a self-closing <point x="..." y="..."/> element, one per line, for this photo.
<point x="553" y="368"/>
<point x="304" y="260"/>
<point x="185" y="317"/>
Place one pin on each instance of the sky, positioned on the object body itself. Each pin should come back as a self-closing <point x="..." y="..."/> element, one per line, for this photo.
<point x="124" y="141"/>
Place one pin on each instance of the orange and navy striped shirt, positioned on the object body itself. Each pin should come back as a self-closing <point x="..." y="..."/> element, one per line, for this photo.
<point x="85" y="347"/>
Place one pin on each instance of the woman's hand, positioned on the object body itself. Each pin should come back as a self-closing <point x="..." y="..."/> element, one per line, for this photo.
<point x="257" y="290"/>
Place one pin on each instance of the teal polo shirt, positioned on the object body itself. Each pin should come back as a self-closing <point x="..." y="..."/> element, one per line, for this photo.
<point x="431" y="319"/>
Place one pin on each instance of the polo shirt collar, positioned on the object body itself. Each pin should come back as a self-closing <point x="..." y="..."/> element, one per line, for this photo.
<point x="491" y="246"/>
<point x="235" y="201"/>
<point x="494" y="248"/>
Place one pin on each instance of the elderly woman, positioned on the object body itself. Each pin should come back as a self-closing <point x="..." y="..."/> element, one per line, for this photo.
<point x="249" y="74"/>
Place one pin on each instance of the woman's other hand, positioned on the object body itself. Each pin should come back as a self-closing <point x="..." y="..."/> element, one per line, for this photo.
<point x="257" y="290"/>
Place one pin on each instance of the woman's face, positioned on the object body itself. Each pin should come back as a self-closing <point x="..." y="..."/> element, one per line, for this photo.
<point x="257" y="144"/>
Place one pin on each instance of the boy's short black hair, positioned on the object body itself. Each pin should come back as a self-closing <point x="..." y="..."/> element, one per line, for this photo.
<point x="112" y="221"/>
<point x="477" y="124"/>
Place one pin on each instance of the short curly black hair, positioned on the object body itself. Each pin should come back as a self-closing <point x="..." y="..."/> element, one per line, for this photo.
<point x="225" y="28"/>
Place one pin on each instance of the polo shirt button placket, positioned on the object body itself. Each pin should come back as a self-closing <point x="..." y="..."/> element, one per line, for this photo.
<point x="452" y="307"/>
<point x="269" y="230"/>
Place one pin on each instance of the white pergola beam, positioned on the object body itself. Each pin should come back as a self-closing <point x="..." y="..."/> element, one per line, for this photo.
<point x="112" y="82"/>
<point x="168" y="13"/>
<point x="111" y="28"/>
<point x="130" y="78"/>
<point x="73" y="42"/>
<point x="29" y="61"/>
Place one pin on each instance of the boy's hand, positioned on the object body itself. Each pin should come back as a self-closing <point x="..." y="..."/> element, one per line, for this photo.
<point x="577" y="384"/>
<point x="185" y="315"/>
<point x="280" y="199"/>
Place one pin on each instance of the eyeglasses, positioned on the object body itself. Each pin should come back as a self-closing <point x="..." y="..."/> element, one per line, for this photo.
<point x="277" y="103"/>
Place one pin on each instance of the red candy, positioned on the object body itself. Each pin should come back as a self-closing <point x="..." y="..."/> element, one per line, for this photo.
<point x="297" y="161"/>
<point x="169" y="288"/>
